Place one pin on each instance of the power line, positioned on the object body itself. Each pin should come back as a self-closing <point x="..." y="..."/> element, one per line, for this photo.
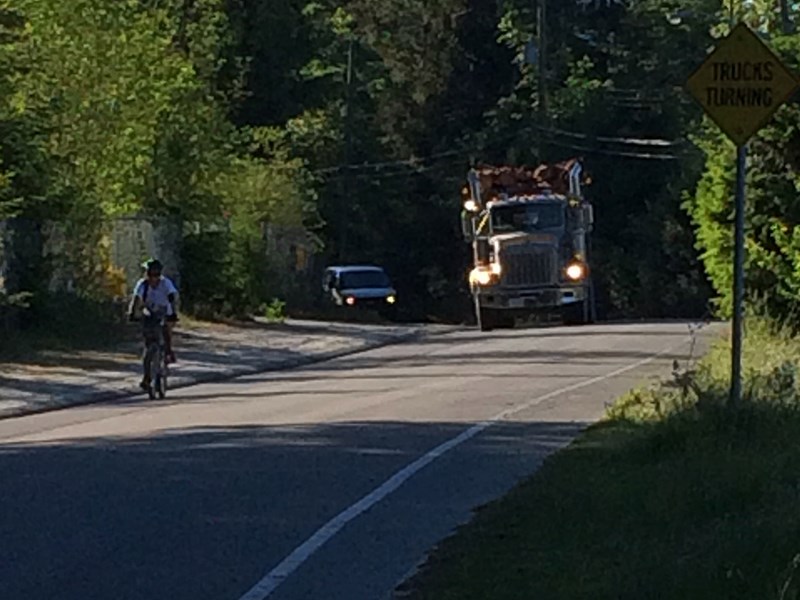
<point x="410" y="162"/>
<point x="388" y="169"/>
<point x="633" y="142"/>
<point x="603" y="151"/>
<point x="420" y="171"/>
<point x="408" y="173"/>
<point x="618" y="153"/>
<point x="648" y="142"/>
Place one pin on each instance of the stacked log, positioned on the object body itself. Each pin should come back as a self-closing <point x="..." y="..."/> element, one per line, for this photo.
<point x="497" y="181"/>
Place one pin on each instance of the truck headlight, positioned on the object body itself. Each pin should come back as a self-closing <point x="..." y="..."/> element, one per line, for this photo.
<point x="391" y="299"/>
<point x="576" y="271"/>
<point x="482" y="276"/>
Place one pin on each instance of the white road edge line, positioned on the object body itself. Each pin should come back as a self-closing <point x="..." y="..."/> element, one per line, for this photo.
<point x="272" y="580"/>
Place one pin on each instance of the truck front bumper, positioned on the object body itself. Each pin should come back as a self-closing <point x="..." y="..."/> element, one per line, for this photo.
<point x="530" y="298"/>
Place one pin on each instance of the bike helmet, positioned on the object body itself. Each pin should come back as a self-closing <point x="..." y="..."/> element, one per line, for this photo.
<point x="153" y="266"/>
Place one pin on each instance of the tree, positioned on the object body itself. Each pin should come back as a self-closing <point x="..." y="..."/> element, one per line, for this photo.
<point x="614" y="75"/>
<point x="23" y="168"/>
<point x="773" y="210"/>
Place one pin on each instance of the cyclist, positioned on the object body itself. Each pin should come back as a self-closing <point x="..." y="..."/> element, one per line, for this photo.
<point x="157" y="293"/>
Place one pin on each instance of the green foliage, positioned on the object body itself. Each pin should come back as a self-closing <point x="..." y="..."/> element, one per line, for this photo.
<point x="103" y="120"/>
<point x="275" y="311"/>
<point x="615" y="73"/>
<point x="228" y="267"/>
<point x="773" y="209"/>
<point x="24" y="172"/>
<point x="124" y="110"/>
<point x="357" y="121"/>
<point x="21" y="300"/>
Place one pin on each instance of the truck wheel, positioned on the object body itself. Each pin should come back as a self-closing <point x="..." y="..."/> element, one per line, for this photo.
<point x="575" y="314"/>
<point x="487" y="319"/>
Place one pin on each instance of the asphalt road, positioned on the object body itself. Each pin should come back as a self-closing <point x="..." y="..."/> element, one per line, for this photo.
<point x="329" y="482"/>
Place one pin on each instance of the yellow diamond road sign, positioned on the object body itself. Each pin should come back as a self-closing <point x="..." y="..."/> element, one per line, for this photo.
<point x="741" y="84"/>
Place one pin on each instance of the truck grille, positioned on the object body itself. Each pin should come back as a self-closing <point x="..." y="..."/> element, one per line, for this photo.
<point x="529" y="265"/>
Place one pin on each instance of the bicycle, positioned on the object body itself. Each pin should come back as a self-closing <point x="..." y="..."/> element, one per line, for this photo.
<point x="154" y="363"/>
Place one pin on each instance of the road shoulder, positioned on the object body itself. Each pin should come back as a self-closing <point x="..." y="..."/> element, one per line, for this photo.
<point x="207" y="352"/>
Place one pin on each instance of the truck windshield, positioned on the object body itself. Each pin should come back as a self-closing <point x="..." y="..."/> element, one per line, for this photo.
<point x="351" y="280"/>
<point x="528" y="217"/>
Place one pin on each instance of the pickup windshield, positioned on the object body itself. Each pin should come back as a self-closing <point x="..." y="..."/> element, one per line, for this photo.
<point x="351" y="280"/>
<point x="528" y="217"/>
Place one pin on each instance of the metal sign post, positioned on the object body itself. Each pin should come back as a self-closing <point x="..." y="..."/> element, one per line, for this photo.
<point x="738" y="279"/>
<point x="740" y="85"/>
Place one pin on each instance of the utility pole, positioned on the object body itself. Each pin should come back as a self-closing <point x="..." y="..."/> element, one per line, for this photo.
<point x="541" y="65"/>
<point x="541" y="34"/>
<point x="345" y="203"/>
<point x="348" y="129"/>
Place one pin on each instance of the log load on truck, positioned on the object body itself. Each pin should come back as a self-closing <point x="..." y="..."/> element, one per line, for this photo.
<point x="529" y="230"/>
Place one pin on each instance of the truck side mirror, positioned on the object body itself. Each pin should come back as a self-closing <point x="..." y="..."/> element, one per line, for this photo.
<point x="467" y="225"/>
<point x="588" y="216"/>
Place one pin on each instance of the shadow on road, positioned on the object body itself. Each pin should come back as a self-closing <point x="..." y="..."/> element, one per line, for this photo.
<point x="196" y="514"/>
<point x="449" y="352"/>
<point x="620" y="328"/>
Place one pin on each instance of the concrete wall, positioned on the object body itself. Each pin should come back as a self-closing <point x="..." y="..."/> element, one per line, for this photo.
<point x="131" y="241"/>
<point x="136" y="240"/>
<point x="290" y="244"/>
